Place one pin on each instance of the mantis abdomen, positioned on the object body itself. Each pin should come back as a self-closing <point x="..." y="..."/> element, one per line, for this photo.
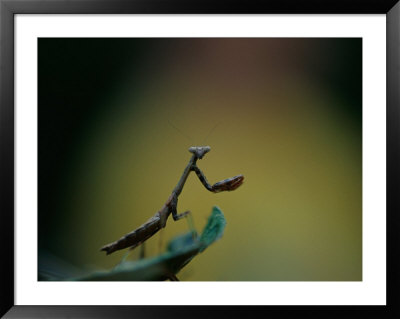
<point x="136" y="237"/>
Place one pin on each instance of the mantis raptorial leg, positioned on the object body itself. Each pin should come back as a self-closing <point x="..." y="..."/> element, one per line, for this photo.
<point x="159" y="220"/>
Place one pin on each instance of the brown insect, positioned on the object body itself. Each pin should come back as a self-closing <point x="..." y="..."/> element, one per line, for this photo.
<point x="159" y="220"/>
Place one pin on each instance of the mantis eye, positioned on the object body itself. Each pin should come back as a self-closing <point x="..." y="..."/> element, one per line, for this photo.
<point x="199" y="151"/>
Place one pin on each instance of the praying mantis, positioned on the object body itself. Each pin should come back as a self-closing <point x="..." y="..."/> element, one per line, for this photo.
<point x="159" y="220"/>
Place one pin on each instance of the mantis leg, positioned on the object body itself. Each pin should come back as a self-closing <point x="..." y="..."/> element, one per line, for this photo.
<point x="228" y="184"/>
<point x="186" y="214"/>
<point x="172" y="277"/>
<point x="142" y="254"/>
<point x="202" y="178"/>
<point x="160" y="242"/>
<point x="175" y="214"/>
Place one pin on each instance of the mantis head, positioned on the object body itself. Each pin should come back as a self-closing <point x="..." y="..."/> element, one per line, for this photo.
<point x="199" y="151"/>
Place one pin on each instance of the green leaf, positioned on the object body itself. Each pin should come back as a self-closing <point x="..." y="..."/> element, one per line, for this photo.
<point x="180" y="251"/>
<point x="214" y="229"/>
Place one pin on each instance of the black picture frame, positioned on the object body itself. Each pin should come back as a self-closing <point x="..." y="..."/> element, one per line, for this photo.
<point x="8" y="10"/>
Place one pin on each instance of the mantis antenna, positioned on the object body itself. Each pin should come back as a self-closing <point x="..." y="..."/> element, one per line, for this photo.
<point x="190" y="138"/>
<point x="209" y="133"/>
<point x="178" y="130"/>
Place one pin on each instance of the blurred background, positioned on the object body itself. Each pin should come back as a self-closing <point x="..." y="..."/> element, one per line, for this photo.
<point x="116" y="119"/>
